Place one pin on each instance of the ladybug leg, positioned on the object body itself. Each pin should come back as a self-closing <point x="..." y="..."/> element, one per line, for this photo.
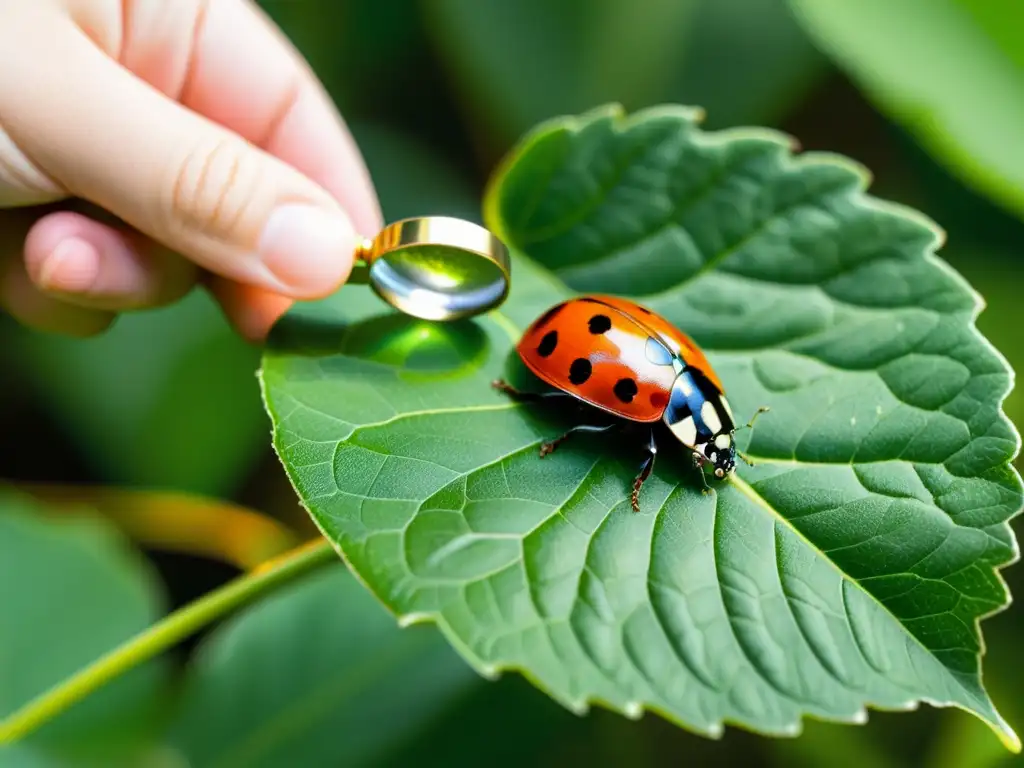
<point x="517" y="394"/>
<point x="645" y="472"/>
<point x="699" y="460"/>
<point x="550" y="445"/>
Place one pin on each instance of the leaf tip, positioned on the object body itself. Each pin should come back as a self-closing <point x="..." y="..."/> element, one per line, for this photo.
<point x="1006" y="735"/>
<point x="634" y="710"/>
<point x="407" y="620"/>
<point x="489" y="671"/>
<point x="578" y="708"/>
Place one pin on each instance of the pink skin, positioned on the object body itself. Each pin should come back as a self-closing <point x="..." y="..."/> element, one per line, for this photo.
<point x="224" y="61"/>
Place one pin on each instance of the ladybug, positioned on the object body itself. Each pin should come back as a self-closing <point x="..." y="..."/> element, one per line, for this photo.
<point x="615" y="355"/>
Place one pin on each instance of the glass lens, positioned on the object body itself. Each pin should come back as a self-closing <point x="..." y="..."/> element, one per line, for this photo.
<point x="437" y="282"/>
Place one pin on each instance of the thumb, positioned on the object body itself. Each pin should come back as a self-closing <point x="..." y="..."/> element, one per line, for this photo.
<point x="110" y="138"/>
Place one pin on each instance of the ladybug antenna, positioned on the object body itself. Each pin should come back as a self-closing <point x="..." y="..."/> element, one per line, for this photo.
<point x="750" y="424"/>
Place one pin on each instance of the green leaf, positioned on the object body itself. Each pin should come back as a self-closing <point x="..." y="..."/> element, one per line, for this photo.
<point x="950" y="71"/>
<point x="326" y="677"/>
<point x="848" y="569"/>
<point x="19" y="756"/>
<point x="70" y="591"/>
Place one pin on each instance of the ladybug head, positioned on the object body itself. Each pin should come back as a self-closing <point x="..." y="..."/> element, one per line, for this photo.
<point x="722" y="453"/>
<point x="725" y="463"/>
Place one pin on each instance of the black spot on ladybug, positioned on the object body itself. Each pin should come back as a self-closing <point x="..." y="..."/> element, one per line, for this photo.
<point x="580" y="370"/>
<point x="548" y="343"/>
<point x="625" y="390"/>
<point x="599" y="324"/>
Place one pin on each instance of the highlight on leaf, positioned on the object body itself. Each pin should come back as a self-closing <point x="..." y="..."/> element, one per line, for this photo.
<point x="849" y="569"/>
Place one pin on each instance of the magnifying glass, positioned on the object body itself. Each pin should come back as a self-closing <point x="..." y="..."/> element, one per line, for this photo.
<point x="435" y="267"/>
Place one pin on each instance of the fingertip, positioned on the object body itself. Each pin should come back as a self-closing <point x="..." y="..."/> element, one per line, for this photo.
<point x="72" y="266"/>
<point x="310" y="250"/>
<point x="80" y="260"/>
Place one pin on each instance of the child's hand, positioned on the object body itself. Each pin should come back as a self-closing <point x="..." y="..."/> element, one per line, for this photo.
<point x="146" y="108"/>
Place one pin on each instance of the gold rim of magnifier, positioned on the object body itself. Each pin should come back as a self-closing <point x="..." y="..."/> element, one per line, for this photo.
<point x="443" y="231"/>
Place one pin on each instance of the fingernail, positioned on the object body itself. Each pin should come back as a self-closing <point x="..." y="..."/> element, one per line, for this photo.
<point x="72" y="267"/>
<point x="307" y="248"/>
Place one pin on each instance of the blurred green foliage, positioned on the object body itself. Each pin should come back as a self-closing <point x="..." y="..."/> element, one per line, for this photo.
<point x="319" y="666"/>
<point x="69" y="592"/>
<point x="952" y="71"/>
<point x="436" y="91"/>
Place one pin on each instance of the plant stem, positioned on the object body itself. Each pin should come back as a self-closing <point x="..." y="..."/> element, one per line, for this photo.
<point x="173" y="521"/>
<point x="164" y="634"/>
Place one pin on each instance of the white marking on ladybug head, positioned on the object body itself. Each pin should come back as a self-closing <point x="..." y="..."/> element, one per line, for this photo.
<point x="712" y="456"/>
<point x="723" y="441"/>
<point x="685" y="430"/>
<point x="709" y="414"/>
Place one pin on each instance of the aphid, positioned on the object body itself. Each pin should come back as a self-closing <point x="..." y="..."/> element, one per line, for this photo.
<point x="622" y="358"/>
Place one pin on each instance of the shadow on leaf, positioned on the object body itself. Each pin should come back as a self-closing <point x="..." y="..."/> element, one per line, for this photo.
<point x="417" y="346"/>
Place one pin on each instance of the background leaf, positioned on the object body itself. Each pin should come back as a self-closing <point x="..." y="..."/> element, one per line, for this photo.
<point x="317" y="674"/>
<point x="428" y="185"/>
<point x="166" y="372"/>
<point x="848" y="569"/>
<point x="950" y="71"/>
<point x="69" y="592"/>
<point x="584" y="52"/>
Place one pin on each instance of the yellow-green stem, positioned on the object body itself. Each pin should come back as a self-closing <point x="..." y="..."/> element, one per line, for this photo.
<point x="175" y="522"/>
<point x="163" y="635"/>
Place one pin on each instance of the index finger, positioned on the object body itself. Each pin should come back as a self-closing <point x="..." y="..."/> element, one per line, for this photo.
<point x="227" y="61"/>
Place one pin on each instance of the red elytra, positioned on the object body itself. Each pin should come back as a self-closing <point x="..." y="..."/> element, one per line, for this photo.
<point x="623" y="359"/>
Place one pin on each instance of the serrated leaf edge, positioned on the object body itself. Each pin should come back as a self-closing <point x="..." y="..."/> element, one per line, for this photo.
<point x="623" y="121"/>
<point x="634" y="709"/>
